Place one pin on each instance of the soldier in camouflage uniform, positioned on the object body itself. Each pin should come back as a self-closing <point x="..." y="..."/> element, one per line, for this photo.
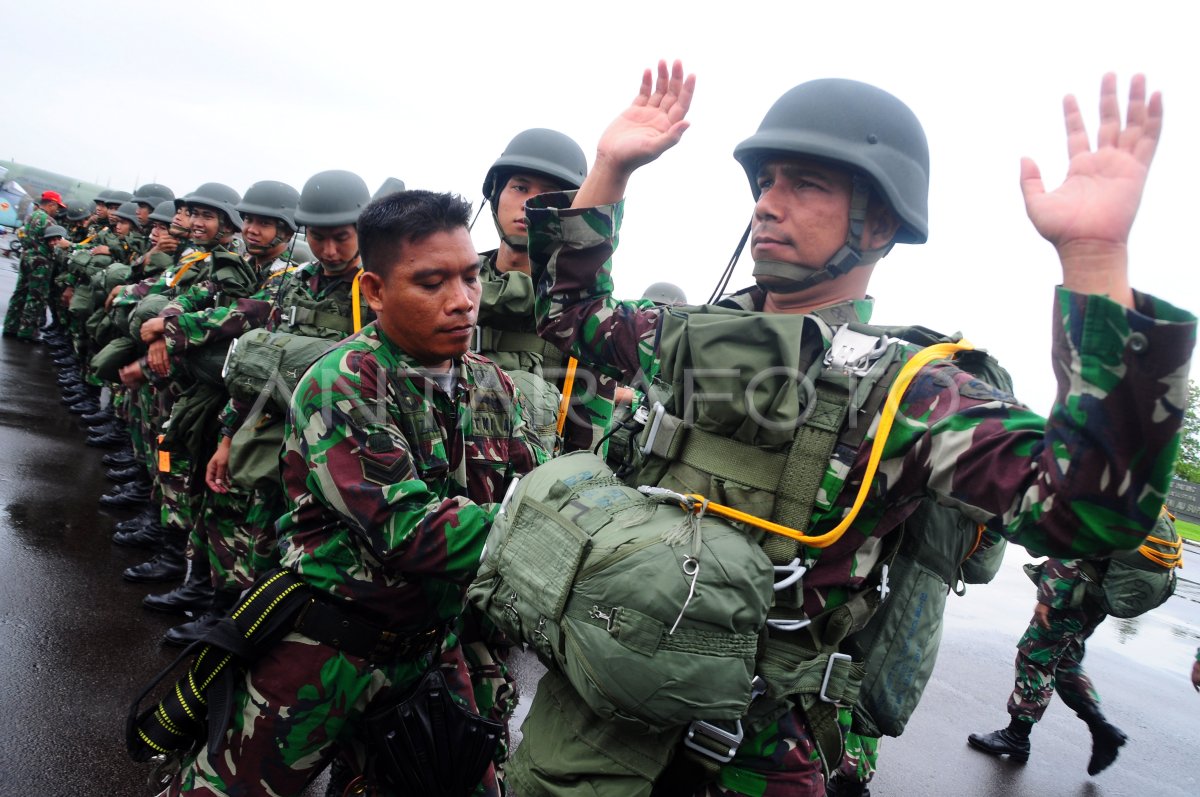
<point x="400" y="443"/>
<point x="187" y="380"/>
<point x="27" y="305"/>
<point x="839" y="172"/>
<point x="534" y="162"/>
<point x="230" y="531"/>
<point x="321" y="300"/>
<point x="1050" y="659"/>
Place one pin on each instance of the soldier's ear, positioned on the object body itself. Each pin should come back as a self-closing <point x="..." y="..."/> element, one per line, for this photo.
<point x="881" y="226"/>
<point x="372" y="289"/>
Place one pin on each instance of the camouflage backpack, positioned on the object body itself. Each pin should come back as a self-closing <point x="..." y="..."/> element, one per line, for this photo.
<point x="652" y="614"/>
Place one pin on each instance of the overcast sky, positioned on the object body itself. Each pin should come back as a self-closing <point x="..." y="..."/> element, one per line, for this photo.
<point x="183" y="93"/>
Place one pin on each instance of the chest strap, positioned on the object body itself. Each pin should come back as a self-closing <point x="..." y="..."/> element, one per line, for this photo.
<point x="297" y="315"/>
<point x="506" y="340"/>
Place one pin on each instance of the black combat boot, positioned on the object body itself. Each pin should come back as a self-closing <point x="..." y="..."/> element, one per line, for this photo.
<point x="131" y="494"/>
<point x="168" y="565"/>
<point x="195" y="594"/>
<point x="122" y="458"/>
<point x="113" y="439"/>
<point x="1012" y="741"/>
<point x="187" y="633"/>
<point x="149" y="535"/>
<point x="1107" y="739"/>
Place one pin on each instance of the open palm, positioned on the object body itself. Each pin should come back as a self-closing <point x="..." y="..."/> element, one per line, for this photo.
<point x="1098" y="200"/>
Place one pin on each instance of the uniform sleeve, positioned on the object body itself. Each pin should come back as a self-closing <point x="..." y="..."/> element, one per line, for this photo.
<point x="203" y="327"/>
<point x="571" y="251"/>
<point x="1089" y="479"/>
<point x="343" y="448"/>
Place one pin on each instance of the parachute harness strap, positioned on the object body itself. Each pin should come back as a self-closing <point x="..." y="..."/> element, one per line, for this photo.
<point x="922" y="358"/>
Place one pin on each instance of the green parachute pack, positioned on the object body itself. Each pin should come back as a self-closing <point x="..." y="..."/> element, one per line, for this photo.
<point x="652" y="613"/>
<point x="268" y="365"/>
<point x="1137" y="581"/>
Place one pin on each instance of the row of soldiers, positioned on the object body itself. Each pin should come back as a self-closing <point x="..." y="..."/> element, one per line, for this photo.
<point x="148" y="292"/>
<point x="386" y="513"/>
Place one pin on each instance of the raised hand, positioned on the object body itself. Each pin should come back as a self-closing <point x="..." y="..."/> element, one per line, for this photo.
<point x="653" y="123"/>
<point x="1089" y="216"/>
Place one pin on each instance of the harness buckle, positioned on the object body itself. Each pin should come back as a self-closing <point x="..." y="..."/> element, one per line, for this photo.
<point x="854" y="352"/>
<point x="795" y="571"/>
<point x="292" y="317"/>
<point x="829" y="665"/>
<point x="228" y="357"/>
<point x="656" y="415"/>
<point x="477" y="338"/>
<point x="712" y="741"/>
<point x="884" y="589"/>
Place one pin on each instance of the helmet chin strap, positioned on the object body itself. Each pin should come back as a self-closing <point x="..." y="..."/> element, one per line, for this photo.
<point x="344" y="267"/>
<point x="520" y="243"/>
<point x="793" y="277"/>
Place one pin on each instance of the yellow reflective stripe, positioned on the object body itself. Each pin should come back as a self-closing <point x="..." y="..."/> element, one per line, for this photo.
<point x="890" y="407"/>
<point x="357" y="300"/>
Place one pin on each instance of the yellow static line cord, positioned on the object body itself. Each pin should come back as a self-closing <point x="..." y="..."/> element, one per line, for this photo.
<point x="564" y="405"/>
<point x="357" y="306"/>
<point x="922" y="358"/>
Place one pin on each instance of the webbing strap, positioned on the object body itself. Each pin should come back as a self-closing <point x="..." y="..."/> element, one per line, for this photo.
<point x="317" y="318"/>
<point x="812" y="447"/>
<point x="177" y="719"/>
<point x="505" y="340"/>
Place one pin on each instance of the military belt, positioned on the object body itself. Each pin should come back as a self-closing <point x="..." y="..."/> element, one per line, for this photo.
<point x="326" y="623"/>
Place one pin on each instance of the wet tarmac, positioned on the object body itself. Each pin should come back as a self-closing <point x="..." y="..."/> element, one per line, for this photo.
<point x="76" y="646"/>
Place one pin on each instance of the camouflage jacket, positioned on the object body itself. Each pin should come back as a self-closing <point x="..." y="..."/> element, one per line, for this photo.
<point x="187" y="265"/>
<point x="35" y="226"/>
<point x="301" y="285"/>
<point x="392" y="483"/>
<point x="1051" y="485"/>
<point x="506" y="311"/>
<point x="220" y="306"/>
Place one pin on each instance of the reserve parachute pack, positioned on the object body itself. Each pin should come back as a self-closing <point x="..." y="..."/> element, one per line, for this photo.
<point x="652" y="613"/>
<point x="268" y="365"/>
<point x="1142" y="579"/>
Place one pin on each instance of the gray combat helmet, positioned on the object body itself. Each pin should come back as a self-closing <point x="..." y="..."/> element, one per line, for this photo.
<point x="272" y="199"/>
<point x="859" y="126"/>
<point x="54" y="231"/>
<point x="538" y="151"/>
<point x="220" y="197"/>
<point x="78" y="210"/>
<point x="117" y="197"/>
<point x="164" y="212"/>
<point x="128" y="211"/>
<point x="151" y="194"/>
<point x="665" y="293"/>
<point x="331" y="199"/>
<point x="392" y="185"/>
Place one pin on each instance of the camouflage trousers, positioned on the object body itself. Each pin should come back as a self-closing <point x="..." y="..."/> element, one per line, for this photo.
<point x="1050" y="660"/>
<point x="298" y="706"/>
<point x="238" y="528"/>
<point x="27" y="306"/>
<point x="860" y="759"/>
<point x="493" y="685"/>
